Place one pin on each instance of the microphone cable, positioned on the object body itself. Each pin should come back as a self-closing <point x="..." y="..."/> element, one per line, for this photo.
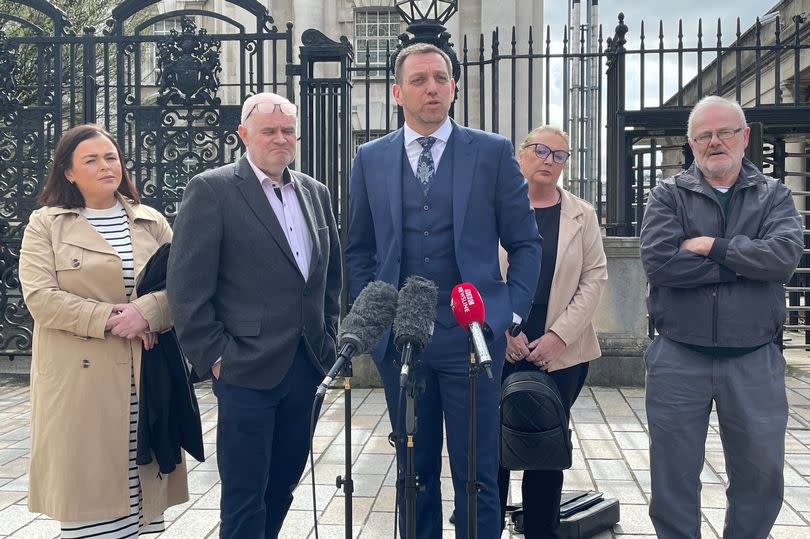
<point x="370" y="315"/>
<point x="394" y="438"/>
<point x="316" y="408"/>
<point x="413" y="329"/>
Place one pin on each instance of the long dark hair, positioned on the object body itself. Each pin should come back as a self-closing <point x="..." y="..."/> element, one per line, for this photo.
<point x="58" y="191"/>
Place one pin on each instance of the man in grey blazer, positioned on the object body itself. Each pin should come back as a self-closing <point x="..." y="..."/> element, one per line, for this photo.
<point x="254" y="281"/>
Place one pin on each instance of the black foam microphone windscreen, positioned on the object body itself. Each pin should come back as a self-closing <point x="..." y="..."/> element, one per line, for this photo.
<point x="416" y="313"/>
<point x="371" y="314"/>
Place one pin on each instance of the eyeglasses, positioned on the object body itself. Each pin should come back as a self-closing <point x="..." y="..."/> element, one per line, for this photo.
<point x="723" y="134"/>
<point x="287" y="108"/>
<point x="542" y="151"/>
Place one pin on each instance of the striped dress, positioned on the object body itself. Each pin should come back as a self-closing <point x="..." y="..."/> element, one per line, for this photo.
<point x="113" y="226"/>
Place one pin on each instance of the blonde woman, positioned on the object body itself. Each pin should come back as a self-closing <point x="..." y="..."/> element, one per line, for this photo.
<point x="558" y="336"/>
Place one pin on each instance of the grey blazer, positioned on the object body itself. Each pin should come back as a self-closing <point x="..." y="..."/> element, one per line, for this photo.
<point x="234" y="288"/>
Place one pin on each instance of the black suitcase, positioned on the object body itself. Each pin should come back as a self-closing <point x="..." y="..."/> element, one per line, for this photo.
<point x="590" y="521"/>
<point x="582" y="514"/>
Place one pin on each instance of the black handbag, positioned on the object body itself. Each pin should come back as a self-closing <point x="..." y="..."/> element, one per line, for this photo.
<point x="534" y="423"/>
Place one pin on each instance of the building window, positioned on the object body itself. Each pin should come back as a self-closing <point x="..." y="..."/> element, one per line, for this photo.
<point x="373" y="29"/>
<point x="361" y="137"/>
<point x="162" y="28"/>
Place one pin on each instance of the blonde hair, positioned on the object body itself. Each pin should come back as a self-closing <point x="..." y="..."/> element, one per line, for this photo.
<point x="544" y="129"/>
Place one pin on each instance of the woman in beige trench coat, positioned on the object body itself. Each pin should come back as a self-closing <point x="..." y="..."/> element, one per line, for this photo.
<point x="88" y="337"/>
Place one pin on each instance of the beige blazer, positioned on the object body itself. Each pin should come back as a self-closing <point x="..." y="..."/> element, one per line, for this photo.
<point x="580" y="274"/>
<point x="80" y="376"/>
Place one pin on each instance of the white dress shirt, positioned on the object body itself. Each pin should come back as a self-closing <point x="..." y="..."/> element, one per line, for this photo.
<point x="290" y="217"/>
<point x="413" y="149"/>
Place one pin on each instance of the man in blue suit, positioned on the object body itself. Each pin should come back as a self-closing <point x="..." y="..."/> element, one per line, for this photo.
<point x="434" y="199"/>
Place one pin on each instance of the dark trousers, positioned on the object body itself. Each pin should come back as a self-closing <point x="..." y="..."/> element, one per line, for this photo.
<point x="444" y="368"/>
<point x="752" y="412"/>
<point x="262" y="447"/>
<point x="542" y="489"/>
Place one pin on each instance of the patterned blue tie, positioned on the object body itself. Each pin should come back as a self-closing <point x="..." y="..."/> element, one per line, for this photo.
<point x="424" y="167"/>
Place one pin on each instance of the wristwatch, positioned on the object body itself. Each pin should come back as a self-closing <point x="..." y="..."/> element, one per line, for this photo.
<point x="515" y="329"/>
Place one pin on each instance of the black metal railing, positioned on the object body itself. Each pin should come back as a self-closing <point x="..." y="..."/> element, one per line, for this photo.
<point x="758" y="69"/>
<point x="173" y="102"/>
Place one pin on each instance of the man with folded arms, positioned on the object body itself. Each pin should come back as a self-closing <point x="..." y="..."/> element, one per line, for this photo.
<point x="718" y="242"/>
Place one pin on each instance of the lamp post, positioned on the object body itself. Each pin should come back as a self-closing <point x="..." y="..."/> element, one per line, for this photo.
<point x="425" y="20"/>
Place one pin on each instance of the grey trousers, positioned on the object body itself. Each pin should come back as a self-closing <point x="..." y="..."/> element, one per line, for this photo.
<point x="749" y="392"/>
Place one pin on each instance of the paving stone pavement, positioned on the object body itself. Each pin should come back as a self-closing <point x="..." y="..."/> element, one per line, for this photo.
<point x="610" y="441"/>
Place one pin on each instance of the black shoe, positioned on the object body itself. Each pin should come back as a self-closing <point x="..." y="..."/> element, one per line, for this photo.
<point x="517" y="521"/>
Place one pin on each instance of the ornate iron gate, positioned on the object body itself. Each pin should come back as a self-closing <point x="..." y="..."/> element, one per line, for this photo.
<point x="152" y="79"/>
<point x="30" y="125"/>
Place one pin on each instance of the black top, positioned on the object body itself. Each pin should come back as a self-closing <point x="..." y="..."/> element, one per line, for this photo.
<point x="548" y="223"/>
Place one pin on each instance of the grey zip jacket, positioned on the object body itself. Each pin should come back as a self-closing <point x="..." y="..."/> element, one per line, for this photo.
<point x="735" y="297"/>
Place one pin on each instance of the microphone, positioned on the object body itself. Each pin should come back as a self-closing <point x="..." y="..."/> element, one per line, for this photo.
<point x="372" y="313"/>
<point x="413" y="322"/>
<point x="468" y="308"/>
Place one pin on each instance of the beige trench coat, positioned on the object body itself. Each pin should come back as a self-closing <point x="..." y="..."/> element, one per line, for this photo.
<point x="80" y="376"/>
<point x="580" y="274"/>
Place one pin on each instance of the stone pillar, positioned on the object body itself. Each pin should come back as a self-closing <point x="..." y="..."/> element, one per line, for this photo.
<point x="795" y="168"/>
<point x="621" y="318"/>
<point x="529" y="14"/>
<point x="307" y="14"/>
<point x="472" y="19"/>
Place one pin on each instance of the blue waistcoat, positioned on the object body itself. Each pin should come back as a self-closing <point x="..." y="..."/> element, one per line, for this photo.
<point x="427" y="231"/>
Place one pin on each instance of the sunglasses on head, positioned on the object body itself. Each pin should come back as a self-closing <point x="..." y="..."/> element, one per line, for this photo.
<point x="542" y="151"/>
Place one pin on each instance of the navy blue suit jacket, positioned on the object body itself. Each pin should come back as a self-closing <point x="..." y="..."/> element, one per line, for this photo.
<point x="490" y="204"/>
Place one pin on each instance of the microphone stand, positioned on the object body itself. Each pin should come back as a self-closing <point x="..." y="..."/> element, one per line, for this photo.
<point x="346" y="481"/>
<point x="473" y="486"/>
<point x="412" y="389"/>
<point x="344" y="356"/>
